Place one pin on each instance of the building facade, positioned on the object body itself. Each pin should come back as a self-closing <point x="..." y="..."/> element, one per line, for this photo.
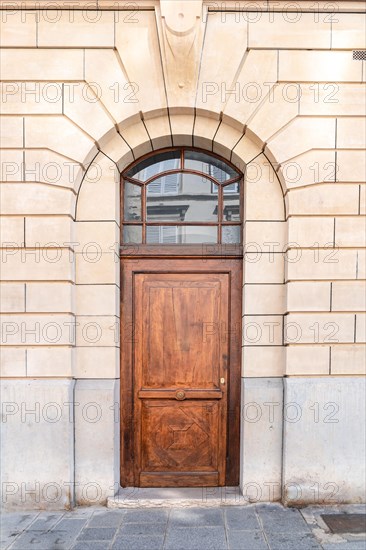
<point x="275" y="93"/>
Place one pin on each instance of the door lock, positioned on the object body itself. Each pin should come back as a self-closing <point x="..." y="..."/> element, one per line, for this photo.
<point x="222" y="380"/>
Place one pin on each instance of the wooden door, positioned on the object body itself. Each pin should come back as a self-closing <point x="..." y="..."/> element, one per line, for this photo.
<point x="184" y="362"/>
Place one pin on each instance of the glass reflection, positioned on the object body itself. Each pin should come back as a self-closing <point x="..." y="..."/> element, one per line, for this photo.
<point x="195" y="160"/>
<point x="152" y="166"/>
<point x="231" y="234"/>
<point x="132" y="202"/>
<point x="181" y="234"/>
<point x="132" y="234"/>
<point x="181" y="197"/>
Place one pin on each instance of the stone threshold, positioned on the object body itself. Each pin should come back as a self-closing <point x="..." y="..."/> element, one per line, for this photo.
<point x="178" y="497"/>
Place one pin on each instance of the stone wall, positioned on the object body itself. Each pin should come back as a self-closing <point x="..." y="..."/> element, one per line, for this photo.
<point x="276" y="91"/>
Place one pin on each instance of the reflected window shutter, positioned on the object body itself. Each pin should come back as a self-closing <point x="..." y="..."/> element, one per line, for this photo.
<point x="169" y="234"/>
<point x="170" y="186"/>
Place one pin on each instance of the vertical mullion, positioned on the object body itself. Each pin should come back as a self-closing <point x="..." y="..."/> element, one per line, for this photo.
<point x="182" y="158"/>
<point x="220" y="208"/>
<point x="143" y="212"/>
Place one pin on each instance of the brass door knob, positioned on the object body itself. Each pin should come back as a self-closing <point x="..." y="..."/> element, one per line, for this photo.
<point x="180" y="395"/>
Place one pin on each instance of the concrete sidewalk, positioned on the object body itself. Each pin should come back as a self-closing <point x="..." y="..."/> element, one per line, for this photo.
<point x="251" y="527"/>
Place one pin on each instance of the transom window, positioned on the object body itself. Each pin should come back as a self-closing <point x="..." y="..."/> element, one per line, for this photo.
<point x="181" y="196"/>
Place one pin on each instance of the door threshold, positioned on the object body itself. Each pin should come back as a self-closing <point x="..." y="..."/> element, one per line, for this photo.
<point x="177" y="497"/>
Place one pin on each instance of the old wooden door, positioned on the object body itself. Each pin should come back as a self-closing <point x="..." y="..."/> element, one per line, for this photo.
<point x="180" y="372"/>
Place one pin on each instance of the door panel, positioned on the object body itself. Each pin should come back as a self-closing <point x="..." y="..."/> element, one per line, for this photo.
<point x="180" y="378"/>
<point x="179" y="361"/>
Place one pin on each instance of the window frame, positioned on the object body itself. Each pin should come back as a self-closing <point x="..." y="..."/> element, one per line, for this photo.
<point x="143" y="223"/>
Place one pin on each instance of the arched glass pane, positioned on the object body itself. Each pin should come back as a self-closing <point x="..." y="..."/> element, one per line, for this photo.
<point x="170" y="160"/>
<point x="132" y="202"/>
<point x="182" y="198"/>
<point x="195" y="160"/>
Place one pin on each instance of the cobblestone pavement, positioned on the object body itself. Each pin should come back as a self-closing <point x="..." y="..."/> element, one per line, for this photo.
<point x="251" y="527"/>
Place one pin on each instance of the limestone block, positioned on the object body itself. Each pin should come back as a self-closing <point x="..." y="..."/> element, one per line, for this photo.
<point x="264" y="299"/>
<point x="12" y="297"/>
<point x="308" y="296"/>
<point x="41" y="64"/>
<point x="37" y="418"/>
<point x="11" y="231"/>
<point x="137" y="139"/>
<point x="329" y="199"/>
<point x="269" y="236"/>
<point x="97" y="236"/>
<point x="205" y="128"/>
<point x="333" y="97"/>
<point x="262" y="361"/>
<point x="361" y="328"/>
<point x="31" y="98"/>
<point x="182" y="129"/>
<point x="319" y="328"/>
<point x="320" y="264"/>
<point x="262" y="330"/>
<point x="97" y="362"/>
<point x="84" y="108"/>
<point x="350" y="231"/>
<point x="35" y="198"/>
<point x="301" y="135"/>
<point x="284" y="30"/>
<point x="37" y="330"/>
<point x="158" y="129"/>
<point x="142" y="64"/>
<point x="117" y="150"/>
<point x="18" y="28"/>
<point x="61" y="136"/>
<point x="307" y="360"/>
<point x="263" y="198"/>
<point x="257" y="75"/>
<point x="362" y="202"/>
<point x="97" y="330"/>
<point x="42" y="165"/>
<point x="85" y="28"/>
<point x="245" y="151"/>
<point x="310" y="168"/>
<point x="11" y="131"/>
<point x="318" y="66"/>
<point x="99" y="193"/>
<point x="49" y="297"/>
<point x="37" y="265"/>
<point x="349" y="31"/>
<point x="13" y="363"/>
<point x="107" y="78"/>
<point x="312" y="231"/>
<point x="264" y="268"/>
<point x="349" y="296"/>
<point x="348" y="359"/>
<point x="326" y="411"/>
<point x="97" y="300"/>
<point x="278" y="108"/>
<point x="351" y="132"/>
<point x="261" y="439"/>
<point x="12" y="166"/>
<point x="47" y="231"/>
<point x="351" y="166"/>
<point x="361" y="264"/>
<point x="49" y="362"/>
<point x="96" y="440"/>
<point x="217" y="75"/>
<point x="225" y="140"/>
<point x="104" y="269"/>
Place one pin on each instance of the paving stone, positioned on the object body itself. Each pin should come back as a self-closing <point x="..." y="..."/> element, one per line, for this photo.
<point x="238" y="517"/>
<point x="91" y="545"/>
<point x="106" y="519"/>
<point x="354" y="545"/>
<point x="185" y="517"/>
<point x="292" y="541"/>
<point x="152" y="515"/>
<point x="71" y="526"/>
<point x="197" y="538"/>
<point x="278" y="519"/>
<point x="45" y="522"/>
<point x="143" y="529"/>
<point x="55" y="540"/>
<point x="138" y="543"/>
<point x="246" y="540"/>
<point x="97" y="533"/>
<point x="17" y="522"/>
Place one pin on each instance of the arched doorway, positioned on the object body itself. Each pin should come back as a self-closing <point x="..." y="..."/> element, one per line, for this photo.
<point x="181" y="279"/>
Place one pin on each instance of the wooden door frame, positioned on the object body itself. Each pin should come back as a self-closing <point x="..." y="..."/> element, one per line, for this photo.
<point x="197" y="258"/>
